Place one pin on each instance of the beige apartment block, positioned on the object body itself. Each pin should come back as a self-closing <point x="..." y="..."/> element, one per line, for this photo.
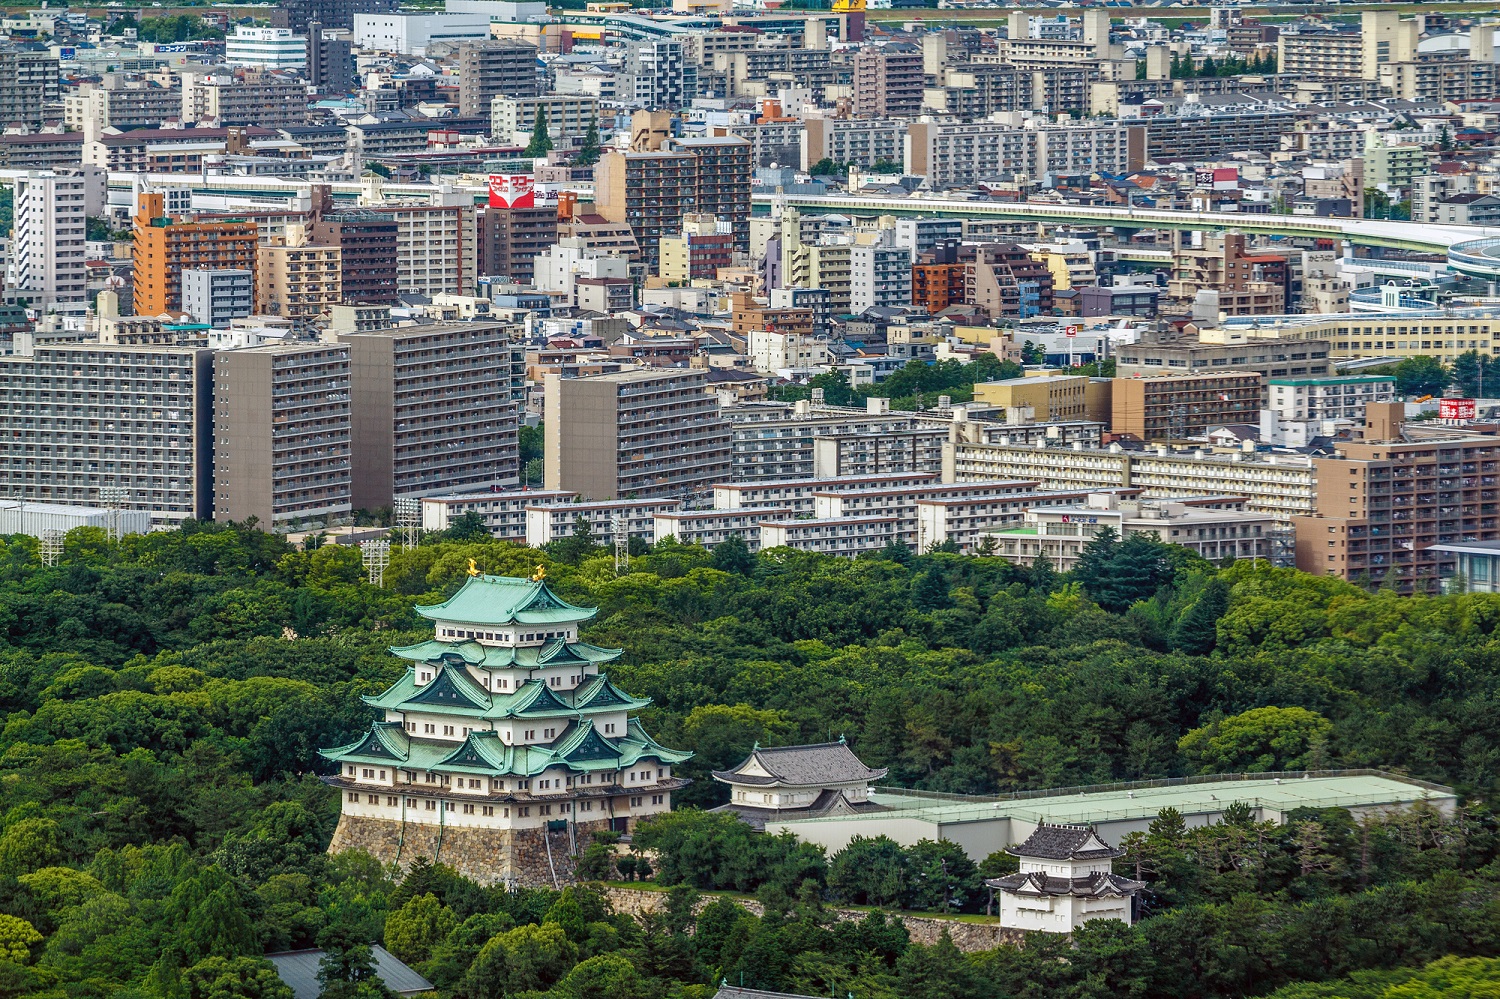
<point x="437" y="410"/>
<point x="635" y="434"/>
<point x="297" y="279"/>
<point x="281" y="434"/>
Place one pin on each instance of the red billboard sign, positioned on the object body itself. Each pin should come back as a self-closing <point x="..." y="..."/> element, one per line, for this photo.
<point x="512" y="190"/>
<point x="1456" y="409"/>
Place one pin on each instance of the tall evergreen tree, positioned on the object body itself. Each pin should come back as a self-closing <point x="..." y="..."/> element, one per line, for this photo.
<point x="1197" y="630"/>
<point x="541" y="139"/>
<point x="588" y="153"/>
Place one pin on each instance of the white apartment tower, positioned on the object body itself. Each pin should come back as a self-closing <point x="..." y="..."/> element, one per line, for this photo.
<point x="47" y="249"/>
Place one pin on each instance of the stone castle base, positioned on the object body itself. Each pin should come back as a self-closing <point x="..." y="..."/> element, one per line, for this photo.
<point x="489" y="856"/>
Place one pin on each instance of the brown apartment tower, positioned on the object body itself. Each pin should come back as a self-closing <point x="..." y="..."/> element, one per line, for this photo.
<point x="1384" y="501"/>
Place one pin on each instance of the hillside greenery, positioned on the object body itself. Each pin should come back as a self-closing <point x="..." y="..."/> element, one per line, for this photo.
<point x="162" y="824"/>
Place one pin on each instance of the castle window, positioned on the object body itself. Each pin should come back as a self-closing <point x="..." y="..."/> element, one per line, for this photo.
<point x="507" y="814"/>
<point x="367" y="773"/>
<point x="635" y="802"/>
<point x="656" y="799"/>
<point x="354" y="796"/>
<point x="351" y="771"/>
<point x="473" y="781"/>
<point x="429" y="729"/>
<point x="489" y="810"/>
<point x="549" y="733"/>
<point x="410" y="802"/>
<point x="544" y="810"/>
<point x="530" y="733"/>
<point x="468" y="809"/>
<point x="447" y="729"/>
<point x="609" y="728"/>
<point x="373" y="799"/>
<point x="431" y="805"/>
<point x="525" y="812"/>
<point x="390" y="802"/>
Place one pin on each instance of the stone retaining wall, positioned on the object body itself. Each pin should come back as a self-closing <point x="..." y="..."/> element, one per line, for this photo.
<point x="489" y="856"/>
<point x="922" y="929"/>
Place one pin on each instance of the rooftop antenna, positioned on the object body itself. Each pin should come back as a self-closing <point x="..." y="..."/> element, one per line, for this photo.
<point x="375" y="553"/>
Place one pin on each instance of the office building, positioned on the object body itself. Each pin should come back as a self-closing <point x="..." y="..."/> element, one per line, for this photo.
<point x="435" y="410"/>
<point x="47" y="257"/>
<point x="1215" y="528"/>
<point x="265" y="48"/>
<point x="1386" y="507"/>
<point x="165" y="247"/>
<point x="217" y="297"/>
<point x="282" y="424"/>
<point x="491" y="69"/>
<point x="644" y="433"/>
<point x="410" y="33"/>
<point x="297" y="279"/>
<point x="79" y="416"/>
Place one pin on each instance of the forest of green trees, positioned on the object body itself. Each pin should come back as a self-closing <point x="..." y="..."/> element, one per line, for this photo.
<point x="162" y="825"/>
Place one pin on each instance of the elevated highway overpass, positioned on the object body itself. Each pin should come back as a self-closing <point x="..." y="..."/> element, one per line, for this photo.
<point x="1423" y="238"/>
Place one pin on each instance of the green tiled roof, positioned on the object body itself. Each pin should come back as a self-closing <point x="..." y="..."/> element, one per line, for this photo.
<point x="498" y="601"/>
<point x="580" y="748"/>
<point x="451" y="691"/>
<point x="496" y="657"/>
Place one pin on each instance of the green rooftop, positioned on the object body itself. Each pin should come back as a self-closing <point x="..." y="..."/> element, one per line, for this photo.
<point x="498" y="601"/>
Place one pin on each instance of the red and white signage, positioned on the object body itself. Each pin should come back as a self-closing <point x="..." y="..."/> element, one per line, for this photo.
<point x="512" y="190"/>
<point x="1456" y="409"/>
<point x="1070" y="330"/>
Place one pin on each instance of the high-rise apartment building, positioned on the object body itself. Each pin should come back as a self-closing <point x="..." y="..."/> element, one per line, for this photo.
<point x="366" y="239"/>
<point x="489" y="69"/>
<point x="1004" y="280"/>
<point x="296" y="278"/>
<point x="29" y="85"/>
<point x="250" y="97"/>
<point x="298" y="14"/>
<point x="330" y="59"/>
<point x="1180" y="406"/>
<point x="643" y="434"/>
<point x="661" y="179"/>
<point x="879" y="277"/>
<point x="659" y="75"/>
<point x="568" y="116"/>
<point x="281" y="424"/>
<point x="76" y="417"/>
<point x="47" y="258"/>
<point x="435" y="410"/>
<point x="218" y="297"/>
<point x="165" y="247"/>
<point x="888" y="81"/>
<point x="510" y="240"/>
<point x="1383" y="503"/>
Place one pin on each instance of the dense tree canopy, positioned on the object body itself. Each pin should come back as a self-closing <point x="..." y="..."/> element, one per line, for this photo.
<point x="162" y="825"/>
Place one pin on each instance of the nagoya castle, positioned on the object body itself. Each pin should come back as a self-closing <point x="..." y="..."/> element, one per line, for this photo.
<point x="503" y="748"/>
